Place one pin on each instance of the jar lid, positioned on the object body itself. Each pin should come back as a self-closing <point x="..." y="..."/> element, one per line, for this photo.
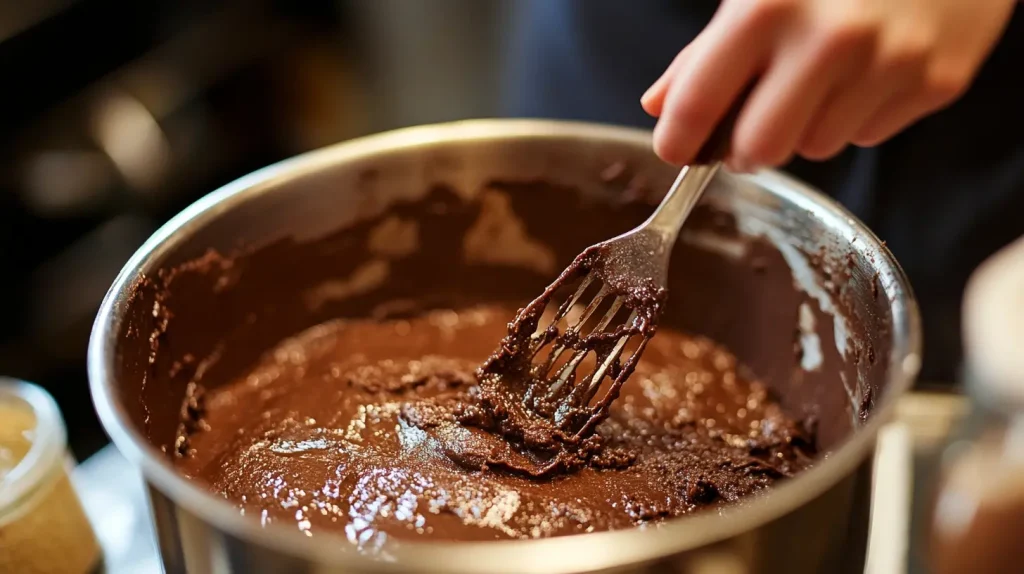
<point x="993" y="325"/>
<point x="46" y="437"/>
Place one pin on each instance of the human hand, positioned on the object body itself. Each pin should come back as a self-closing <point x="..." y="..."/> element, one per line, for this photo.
<point x="826" y="73"/>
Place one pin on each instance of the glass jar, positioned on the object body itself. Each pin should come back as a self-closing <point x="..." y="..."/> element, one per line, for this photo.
<point x="43" y="528"/>
<point x="978" y="512"/>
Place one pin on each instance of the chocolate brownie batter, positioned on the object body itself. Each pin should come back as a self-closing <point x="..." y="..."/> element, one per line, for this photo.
<point x="354" y="426"/>
<point x="539" y="390"/>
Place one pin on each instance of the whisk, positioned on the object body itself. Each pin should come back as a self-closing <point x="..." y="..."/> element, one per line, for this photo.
<point x="629" y="274"/>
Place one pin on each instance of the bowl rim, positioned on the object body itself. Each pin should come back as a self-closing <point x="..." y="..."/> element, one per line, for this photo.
<point x="595" y="551"/>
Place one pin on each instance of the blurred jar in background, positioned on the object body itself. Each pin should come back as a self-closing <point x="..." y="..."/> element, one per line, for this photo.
<point x="978" y="515"/>
<point x="43" y="528"/>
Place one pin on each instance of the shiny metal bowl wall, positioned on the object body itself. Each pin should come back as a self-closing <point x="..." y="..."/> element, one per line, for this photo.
<point x="816" y="522"/>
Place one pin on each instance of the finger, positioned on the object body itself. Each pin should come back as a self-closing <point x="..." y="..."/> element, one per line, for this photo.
<point x="794" y="91"/>
<point x="850" y="107"/>
<point x="777" y="112"/>
<point x="931" y="92"/>
<point x="721" y="64"/>
<point x="892" y="118"/>
<point x="653" y="99"/>
<point x="845" y="110"/>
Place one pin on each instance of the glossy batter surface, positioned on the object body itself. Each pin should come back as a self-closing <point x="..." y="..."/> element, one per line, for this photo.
<point x="353" y="427"/>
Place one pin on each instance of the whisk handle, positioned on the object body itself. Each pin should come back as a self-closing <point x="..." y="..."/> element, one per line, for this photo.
<point x="716" y="147"/>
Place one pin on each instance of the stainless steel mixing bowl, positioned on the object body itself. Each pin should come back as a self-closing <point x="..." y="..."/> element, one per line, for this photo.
<point x="855" y="321"/>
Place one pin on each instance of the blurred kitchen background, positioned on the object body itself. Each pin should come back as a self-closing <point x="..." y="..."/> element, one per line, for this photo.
<point x="120" y="113"/>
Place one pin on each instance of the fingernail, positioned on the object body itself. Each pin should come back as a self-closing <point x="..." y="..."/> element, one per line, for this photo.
<point x="647" y="96"/>
<point x="651" y="90"/>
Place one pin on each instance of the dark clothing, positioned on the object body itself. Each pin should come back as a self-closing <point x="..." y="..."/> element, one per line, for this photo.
<point x="944" y="194"/>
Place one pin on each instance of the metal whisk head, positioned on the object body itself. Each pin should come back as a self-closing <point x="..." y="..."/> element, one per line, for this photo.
<point x="557" y="389"/>
<point x="560" y="368"/>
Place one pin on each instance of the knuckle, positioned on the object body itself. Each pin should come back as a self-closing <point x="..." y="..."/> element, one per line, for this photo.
<point x="820" y="151"/>
<point x="814" y="146"/>
<point x="692" y="113"/>
<point x="909" y="53"/>
<point x="866" y="142"/>
<point x="759" y="150"/>
<point x="945" y="83"/>
<point x="669" y="148"/>
<point x="769" y="12"/>
<point x="688" y="115"/>
<point x="848" y="36"/>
